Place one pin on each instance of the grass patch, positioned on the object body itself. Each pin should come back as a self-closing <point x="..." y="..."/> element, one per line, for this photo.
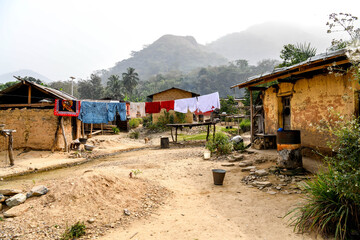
<point x="75" y="231"/>
<point x="193" y="137"/>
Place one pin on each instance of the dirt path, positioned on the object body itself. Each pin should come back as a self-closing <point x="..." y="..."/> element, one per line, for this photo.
<point x="196" y="209"/>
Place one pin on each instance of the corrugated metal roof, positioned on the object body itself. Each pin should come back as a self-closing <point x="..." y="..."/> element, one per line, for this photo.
<point x="322" y="56"/>
<point x="193" y="94"/>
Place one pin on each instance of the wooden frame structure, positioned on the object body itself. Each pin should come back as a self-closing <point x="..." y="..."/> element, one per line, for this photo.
<point x="190" y="125"/>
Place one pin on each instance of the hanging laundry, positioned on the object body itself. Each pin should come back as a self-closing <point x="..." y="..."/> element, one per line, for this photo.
<point x="114" y="107"/>
<point x="168" y="105"/>
<point x="137" y="109"/>
<point x="66" y="108"/>
<point x="208" y="102"/>
<point x="152" y="107"/>
<point x="182" y="105"/>
<point x="93" y="112"/>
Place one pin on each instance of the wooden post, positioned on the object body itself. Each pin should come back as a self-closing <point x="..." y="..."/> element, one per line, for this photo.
<point x="56" y="134"/>
<point x="63" y="133"/>
<point x="91" y="128"/>
<point x="83" y="129"/>
<point x="10" y="149"/>
<point x="208" y="132"/>
<point x="172" y="134"/>
<point x="176" y="128"/>
<point x="102" y="129"/>
<point x="29" y="94"/>
<point x="251" y="117"/>
<point x="214" y="131"/>
<point x="238" y="131"/>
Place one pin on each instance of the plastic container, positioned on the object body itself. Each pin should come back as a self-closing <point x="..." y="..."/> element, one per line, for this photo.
<point x="218" y="175"/>
<point x="207" y="155"/>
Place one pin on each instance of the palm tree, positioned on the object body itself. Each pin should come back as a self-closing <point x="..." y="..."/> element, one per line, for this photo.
<point x="130" y="80"/>
<point x="114" y="88"/>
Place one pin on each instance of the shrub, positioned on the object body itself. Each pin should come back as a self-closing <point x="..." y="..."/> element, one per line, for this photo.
<point x="134" y="123"/>
<point x="333" y="198"/>
<point x="239" y="146"/>
<point x="75" y="231"/>
<point x="141" y="121"/>
<point x="245" y="125"/>
<point x="180" y="117"/>
<point x="134" y="134"/>
<point x="115" y="130"/>
<point x="147" y="120"/>
<point x="221" y="144"/>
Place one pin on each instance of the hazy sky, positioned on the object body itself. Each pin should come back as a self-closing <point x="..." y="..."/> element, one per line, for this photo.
<point x="67" y="38"/>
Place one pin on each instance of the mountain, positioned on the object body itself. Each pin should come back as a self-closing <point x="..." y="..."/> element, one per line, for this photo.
<point x="8" y="77"/>
<point x="265" y="41"/>
<point x="168" y="53"/>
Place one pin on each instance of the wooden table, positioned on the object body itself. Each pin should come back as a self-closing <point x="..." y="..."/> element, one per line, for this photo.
<point x="190" y="125"/>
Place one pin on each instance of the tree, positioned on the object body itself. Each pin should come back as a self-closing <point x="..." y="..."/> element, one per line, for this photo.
<point x="114" y="87"/>
<point x="293" y="54"/>
<point x="130" y="80"/>
<point x="65" y="86"/>
<point x="34" y="80"/>
<point x="6" y="85"/>
<point x="90" y="88"/>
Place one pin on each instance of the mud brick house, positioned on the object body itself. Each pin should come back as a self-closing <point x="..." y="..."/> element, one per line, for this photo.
<point x="299" y="96"/>
<point x="28" y="108"/>
<point x="172" y="94"/>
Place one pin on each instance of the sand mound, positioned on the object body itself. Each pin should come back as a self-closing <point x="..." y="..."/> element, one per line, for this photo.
<point x="93" y="195"/>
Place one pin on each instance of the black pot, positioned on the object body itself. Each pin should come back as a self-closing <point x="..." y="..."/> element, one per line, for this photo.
<point x="82" y="140"/>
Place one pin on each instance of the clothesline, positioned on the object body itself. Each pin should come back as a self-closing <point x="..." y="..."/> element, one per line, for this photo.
<point x="104" y="111"/>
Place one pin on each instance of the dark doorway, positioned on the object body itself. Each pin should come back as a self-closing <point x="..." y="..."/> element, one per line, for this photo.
<point x="286" y="113"/>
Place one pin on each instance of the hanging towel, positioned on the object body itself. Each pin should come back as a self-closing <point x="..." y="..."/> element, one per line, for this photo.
<point x="66" y="108"/>
<point x="152" y="107"/>
<point x="182" y="105"/>
<point x="137" y="109"/>
<point x="208" y="102"/>
<point x="93" y="112"/>
<point x="168" y="105"/>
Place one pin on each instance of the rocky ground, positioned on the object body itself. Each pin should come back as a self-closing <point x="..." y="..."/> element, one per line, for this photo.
<point x="172" y="198"/>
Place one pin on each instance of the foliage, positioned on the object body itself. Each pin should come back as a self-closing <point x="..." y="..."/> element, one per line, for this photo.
<point x="192" y="137"/>
<point x="245" y="125"/>
<point x="1" y="219"/>
<point x="34" y="80"/>
<point x="229" y="105"/>
<point x="343" y="22"/>
<point x="180" y="117"/>
<point x="6" y="85"/>
<point x="91" y="88"/>
<point x="134" y="134"/>
<point x="134" y="123"/>
<point x="130" y="80"/>
<point x="220" y="145"/>
<point x="136" y="172"/>
<point x="115" y="130"/>
<point x="65" y="86"/>
<point x="239" y="146"/>
<point x="114" y="88"/>
<point x="231" y="131"/>
<point x="147" y="120"/>
<point x="333" y="198"/>
<point x="75" y="231"/>
<point x="293" y="54"/>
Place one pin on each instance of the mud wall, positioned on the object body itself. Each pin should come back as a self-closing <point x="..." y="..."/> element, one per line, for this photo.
<point x="310" y="102"/>
<point x="172" y="94"/>
<point x="35" y="128"/>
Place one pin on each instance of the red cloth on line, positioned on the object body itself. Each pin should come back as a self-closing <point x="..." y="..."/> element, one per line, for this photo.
<point x="152" y="107"/>
<point x="168" y="105"/>
<point x="208" y="113"/>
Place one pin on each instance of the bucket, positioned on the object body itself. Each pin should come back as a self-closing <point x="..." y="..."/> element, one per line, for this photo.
<point x="207" y="155"/>
<point x="218" y="175"/>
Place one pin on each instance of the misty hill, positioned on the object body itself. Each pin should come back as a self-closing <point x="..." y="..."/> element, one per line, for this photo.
<point x="8" y="77"/>
<point x="168" y="53"/>
<point x="265" y="41"/>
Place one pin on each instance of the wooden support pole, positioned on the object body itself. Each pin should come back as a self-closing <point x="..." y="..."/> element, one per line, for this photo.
<point x="208" y="132"/>
<point x="29" y="94"/>
<point x="91" y="128"/>
<point x="83" y="129"/>
<point x="176" y="134"/>
<point x="172" y="136"/>
<point x="214" y="131"/>
<point x="251" y="117"/>
<point x="10" y="149"/>
<point x="102" y="129"/>
<point x="56" y="134"/>
<point x="63" y="133"/>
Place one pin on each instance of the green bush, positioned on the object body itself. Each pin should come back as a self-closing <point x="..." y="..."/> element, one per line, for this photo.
<point x="147" y="120"/>
<point x="134" y="134"/>
<point x="134" y="123"/>
<point x="220" y="145"/>
<point x="141" y="121"/>
<point x="75" y="231"/>
<point x="333" y="198"/>
<point x="240" y="146"/>
<point x="245" y="125"/>
<point x="115" y="130"/>
<point x="180" y="117"/>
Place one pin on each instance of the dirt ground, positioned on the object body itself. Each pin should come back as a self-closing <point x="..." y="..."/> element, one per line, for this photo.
<point x="173" y="198"/>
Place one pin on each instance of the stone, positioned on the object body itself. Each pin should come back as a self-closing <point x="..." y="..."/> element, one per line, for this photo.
<point x="237" y="139"/>
<point x="37" y="191"/>
<point x="127" y="212"/>
<point x="246" y="163"/>
<point x="16" y="200"/>
<point x="238" y="157"/>
<point x="261" y="172"/>
<point x="2" y="198"/>
<point x="10" y="192"/>
<point x="248" y="169"/>
<point x="227" y="165"/>
<point x="271" y="192"/>
<point x="261" y="184"/>
<point x="91" y="220"/>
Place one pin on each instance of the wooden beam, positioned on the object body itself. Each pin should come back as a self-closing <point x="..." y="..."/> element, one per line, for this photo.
<point x="258" y="88"/>
<point x="63" y="133"/>
<point x="29" y="94"/>
<point x="27" y="105"/>
<point x="251" y="117"/>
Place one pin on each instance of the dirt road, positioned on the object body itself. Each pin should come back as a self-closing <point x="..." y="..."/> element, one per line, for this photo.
<point x="196" y="208"/>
